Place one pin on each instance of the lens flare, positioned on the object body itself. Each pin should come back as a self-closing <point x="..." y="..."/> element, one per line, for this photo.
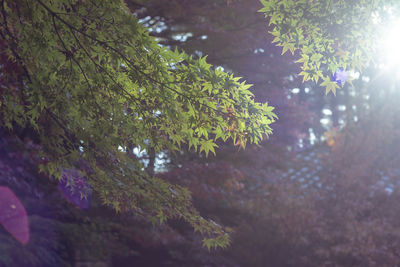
<point x="13" y="215"/>
<point x="389" y="47"/>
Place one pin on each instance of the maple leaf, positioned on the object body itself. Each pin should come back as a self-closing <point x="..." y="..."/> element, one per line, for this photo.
<point x="330" y="86"/>
<point x="207" y="146"/>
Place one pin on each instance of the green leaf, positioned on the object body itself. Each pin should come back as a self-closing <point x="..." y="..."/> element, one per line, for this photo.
<point x="330" y="86"/>
<point x="207" y="146"/>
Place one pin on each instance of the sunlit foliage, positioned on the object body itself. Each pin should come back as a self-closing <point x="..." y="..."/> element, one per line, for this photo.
<point x="94" y="85"/>
<point x="329" y="36"/>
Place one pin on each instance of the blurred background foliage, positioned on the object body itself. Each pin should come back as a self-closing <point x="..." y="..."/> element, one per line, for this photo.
<point x="322" y="191"/>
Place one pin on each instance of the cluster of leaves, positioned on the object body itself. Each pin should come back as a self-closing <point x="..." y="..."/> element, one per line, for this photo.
<point x="93" y="81"/>
<point x="222" y="31"/>
<point x="59" y="232"/>
<point x="329" y="35"/>
<point x="321" y="208"/>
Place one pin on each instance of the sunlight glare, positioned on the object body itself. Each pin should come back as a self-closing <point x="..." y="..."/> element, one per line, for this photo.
<point x="390" y="45"/>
